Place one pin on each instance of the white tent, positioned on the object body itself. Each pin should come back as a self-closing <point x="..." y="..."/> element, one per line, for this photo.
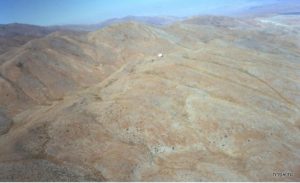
<point x="160" y="55"/>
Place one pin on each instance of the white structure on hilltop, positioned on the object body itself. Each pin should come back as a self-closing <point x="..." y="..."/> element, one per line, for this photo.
<point x="160" y="55"/>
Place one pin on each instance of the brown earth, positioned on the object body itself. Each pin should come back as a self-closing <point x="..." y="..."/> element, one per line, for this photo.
<point x="222" y="104"/>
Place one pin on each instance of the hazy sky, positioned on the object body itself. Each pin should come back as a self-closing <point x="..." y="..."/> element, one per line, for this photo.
<point x="50" y="12"/>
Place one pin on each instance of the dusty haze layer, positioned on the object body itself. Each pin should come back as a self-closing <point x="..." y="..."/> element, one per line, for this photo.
<point x="222" y="104"/>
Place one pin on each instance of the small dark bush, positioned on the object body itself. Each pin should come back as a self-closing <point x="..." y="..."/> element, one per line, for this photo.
<point x="19" y="64"/>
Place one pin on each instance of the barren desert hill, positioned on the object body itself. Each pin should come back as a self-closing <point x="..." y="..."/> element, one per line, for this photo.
<point x="222" y="104"/>
<point x="15" y="35"/>
<point x="46" y="69"/>
<point x="267" y="33"/>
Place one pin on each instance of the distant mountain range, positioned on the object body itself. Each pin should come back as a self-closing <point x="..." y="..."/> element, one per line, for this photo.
<point x="279" y="7"/>
<point x="16" y="34"/>
<point x="155" y="21"/>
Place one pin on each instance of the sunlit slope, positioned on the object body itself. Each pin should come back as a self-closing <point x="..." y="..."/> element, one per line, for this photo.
<point x="222" y="104"/>
<point x="46" y="69"/>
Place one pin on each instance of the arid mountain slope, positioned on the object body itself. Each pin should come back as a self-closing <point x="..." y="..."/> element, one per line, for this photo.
<point x="15" y="35"/>
<point x="45" y="69"/>
<point x="221" y="105"/>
